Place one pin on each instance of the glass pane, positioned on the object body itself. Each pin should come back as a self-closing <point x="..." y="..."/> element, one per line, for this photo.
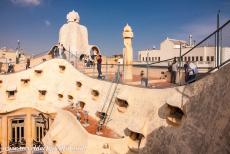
<point x="22" y="132"/>
<point x="13" y="133"/>
<point x="17" y="134"/>
<point x="14" y="121"/>
<point x="21" y="121"/>
<point x="37" y="133"/>
<point x="41" y="133"/>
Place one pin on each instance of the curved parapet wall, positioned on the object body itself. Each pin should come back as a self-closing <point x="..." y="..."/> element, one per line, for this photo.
<point x="147" y="111"/>
<point x="206" y="128"/>
<point x="67" y="135"/>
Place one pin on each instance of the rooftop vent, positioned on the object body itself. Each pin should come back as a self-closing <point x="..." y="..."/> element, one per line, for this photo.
<point x="62" y="68"/>
<point x="70" y="97"/>
<point x="95" y="94"/>
<point x="78" y="84"/>
<point x="38" y="71"/>
<point x="42" y="91"/>
<point x="60" y="96"/>
<point x="25" y="81"/>
<point x="11" y="91"/>
<point x="82" y="104"/>
<point x="122" y="105"/>
<point x="174" y="116"/>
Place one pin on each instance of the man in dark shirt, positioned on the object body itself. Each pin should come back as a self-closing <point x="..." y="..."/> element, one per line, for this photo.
<point x="99" y="61"/>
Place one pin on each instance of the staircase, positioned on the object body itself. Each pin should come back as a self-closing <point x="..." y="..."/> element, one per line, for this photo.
<point x="110" y="98"/>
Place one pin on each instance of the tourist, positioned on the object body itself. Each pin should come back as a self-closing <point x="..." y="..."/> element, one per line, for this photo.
<point x="174" y="71"/>
<point x="1" y="63"/>
<point x="56" y="50"/>
<point x="186" y="67"/>
<point x="10" y="67"/>
<point x="62" y="53"/>
<point x="99" y="61"/>
<point x="17" y="56"/>
<point x="142" y="77"/>
<point x="27" y="63"/>
<point x="60" y="50"/>
<point x="192" y="72"/>
<point x="78" y="115"/>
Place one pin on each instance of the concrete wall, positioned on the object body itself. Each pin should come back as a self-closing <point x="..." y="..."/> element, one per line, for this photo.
<point x="206" y="126"/>
<point x="146" y="110"/>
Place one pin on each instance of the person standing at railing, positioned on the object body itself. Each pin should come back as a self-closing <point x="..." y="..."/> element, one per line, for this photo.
<point x="174" y="71"/>
<point x="61" y="50"/>
<point x="192" y="72"/>
<point x="10" y="67"/>
<point x="99" y="61"/>
<point x="186" y="74"/>
<point x="27" y="63"/>
<point x="55" y="52"/>
<point x="1" y="63"/>
<point x="17" y="56"/>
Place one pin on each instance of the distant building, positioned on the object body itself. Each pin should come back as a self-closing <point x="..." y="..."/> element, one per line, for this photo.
<point x="203" y="56"/>
<point x="6" y="54"/>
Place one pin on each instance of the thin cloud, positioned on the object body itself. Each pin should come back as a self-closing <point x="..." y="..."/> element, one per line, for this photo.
<point x="199" y="29"/>
<point x="26" y="2"/>
<point x="47" y="23"/>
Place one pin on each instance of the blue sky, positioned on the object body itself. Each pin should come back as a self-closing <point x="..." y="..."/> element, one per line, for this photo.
<point x="36" y="23"/>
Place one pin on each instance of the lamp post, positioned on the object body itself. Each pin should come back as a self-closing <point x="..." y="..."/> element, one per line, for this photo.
<point x="180" y="59"/>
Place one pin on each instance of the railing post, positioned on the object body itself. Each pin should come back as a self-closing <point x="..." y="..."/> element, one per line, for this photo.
<point x="180" y="65"/>
<point x="218" y="43"/>
<point x="147" y="71"/>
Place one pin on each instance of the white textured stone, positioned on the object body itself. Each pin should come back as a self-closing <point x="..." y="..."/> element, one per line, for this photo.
<point x="74" y="36"/>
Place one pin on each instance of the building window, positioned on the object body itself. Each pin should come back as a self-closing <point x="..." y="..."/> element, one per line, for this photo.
<point x="143" y="58"/>
<point x="208" y="58"/>
<point x="149" y="58"/>
<point x="146" y="58"/>
<point x="197" y="58"/>
<point x="212" y="58"/>
<point x="152" y="58"/>
<point x="159" y="58"/>
<point x="201" y="58"/>
<point x="156" y="58"/>
<point x="185" y="58"/>
<point x="40" y="130"/>
<point x="189" y="59"/>
<point x="17" y="133"/>
<point x="192" y="58"/>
